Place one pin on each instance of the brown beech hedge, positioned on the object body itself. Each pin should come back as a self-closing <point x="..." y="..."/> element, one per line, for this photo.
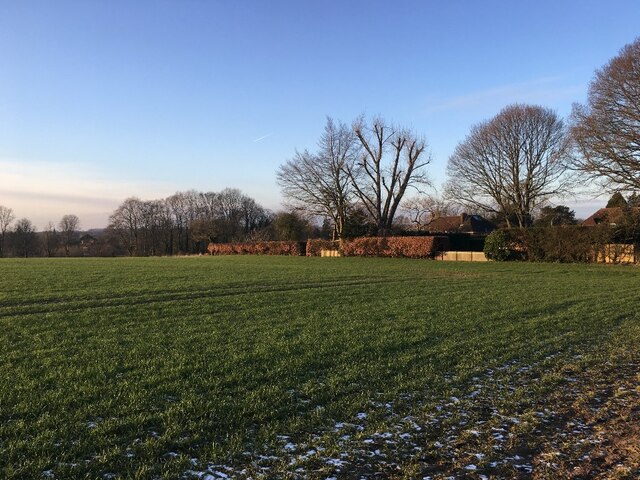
<point x="408" y="247"/>
<point x="257" y="248"/>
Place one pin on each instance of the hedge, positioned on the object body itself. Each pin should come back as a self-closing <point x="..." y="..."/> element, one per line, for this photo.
<point x="409" y="247"/>
<point x="503" y="245"/>
<point x="257" y="248"/>
<point x="563" y="244"/>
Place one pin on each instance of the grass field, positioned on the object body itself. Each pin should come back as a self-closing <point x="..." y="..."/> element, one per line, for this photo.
<point x="311" y="368"/>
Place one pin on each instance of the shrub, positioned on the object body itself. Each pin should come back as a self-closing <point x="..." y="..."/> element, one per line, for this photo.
<point x="499" y="246"/>
<point x="558" y="245"/>
<point x="409" y="247"/>
<point x="257" y="248"/>
<point x="566" y="244"/>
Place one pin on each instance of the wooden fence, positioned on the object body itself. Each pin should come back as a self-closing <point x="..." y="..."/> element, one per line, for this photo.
<point x="618" y="253"/>
<point x="330" y="253"/>
<point x="461" y="256"/>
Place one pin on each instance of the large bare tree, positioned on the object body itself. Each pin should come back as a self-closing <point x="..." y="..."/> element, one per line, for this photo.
<point x="391" y="160"/>
<point x="318" y="183"/>
<point x="511" y="163"/>
<point x="6" y="217"/>
<point x="68" y="226"/>
<point x="185" y="207"/>
<point x="25" y="241"/>
<point x="126" y="221"/>
<point x="49" y="239"/>
<point x="606" y="130"/>
<point x="155" y="227"/>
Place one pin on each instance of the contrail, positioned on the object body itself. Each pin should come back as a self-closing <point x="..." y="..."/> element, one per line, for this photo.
<point x="262" y="137"/>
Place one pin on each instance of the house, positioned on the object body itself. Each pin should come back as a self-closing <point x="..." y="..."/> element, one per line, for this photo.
<point x="608" y="216"/>
<point x="473" y="224"/>
<point x="88" y="244"/>
<point x="622" y="249"/>
<point x="87" y="240"/>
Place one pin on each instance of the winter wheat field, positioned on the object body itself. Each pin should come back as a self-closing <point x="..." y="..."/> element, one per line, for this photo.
<point x="283" y="367"/>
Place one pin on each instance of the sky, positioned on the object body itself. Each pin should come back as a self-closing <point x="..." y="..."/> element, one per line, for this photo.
<point x="102" y="100"/>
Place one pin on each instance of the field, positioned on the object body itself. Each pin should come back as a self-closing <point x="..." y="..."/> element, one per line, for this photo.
<point x="317" y="367"/>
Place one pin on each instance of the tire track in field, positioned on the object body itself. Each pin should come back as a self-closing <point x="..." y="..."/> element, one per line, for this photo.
<point x="146" y="298"/>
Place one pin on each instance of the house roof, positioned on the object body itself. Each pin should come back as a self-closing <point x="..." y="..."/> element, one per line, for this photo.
<point x="87" y="238"/>
<point x="607" y="216"/>
<point x="461" y="223"/>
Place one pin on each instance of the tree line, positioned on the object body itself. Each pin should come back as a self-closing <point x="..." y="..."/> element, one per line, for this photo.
<point x="22" y="240"/>
<point x="186" y="222"/>
<point x="183" y="223"/>
<point x="508" y="167"/>
<point x="366" y="177"/>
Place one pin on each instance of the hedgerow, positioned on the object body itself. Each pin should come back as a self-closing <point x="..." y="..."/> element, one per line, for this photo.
<point x="257" y="248"/>
<point x="562" y="244"/>
<point x="409" y="247"/>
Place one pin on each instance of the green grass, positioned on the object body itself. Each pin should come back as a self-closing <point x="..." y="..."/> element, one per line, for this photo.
<point x="108" y="365"/>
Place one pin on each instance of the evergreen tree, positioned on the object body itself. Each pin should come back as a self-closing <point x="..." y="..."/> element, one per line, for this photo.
<point x="616" y="200"/>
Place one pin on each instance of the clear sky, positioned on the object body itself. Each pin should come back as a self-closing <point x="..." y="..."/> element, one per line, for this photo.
<point x="100" y="100"/>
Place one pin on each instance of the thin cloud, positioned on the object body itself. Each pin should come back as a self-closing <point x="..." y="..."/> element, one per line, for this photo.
<point x="60" y="198"/>
<point x="542" y="90"/>
<point x="262" y="137"/>
<point x="43" y="191"/>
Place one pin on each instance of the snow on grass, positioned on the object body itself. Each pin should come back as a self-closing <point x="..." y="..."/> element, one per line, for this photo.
<point x="360" y="445"/>
<point x="463" y="435"/>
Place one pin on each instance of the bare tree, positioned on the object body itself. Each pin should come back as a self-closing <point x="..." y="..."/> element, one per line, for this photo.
<point x="68" y="226"/>
<point x="153" y="227"/>
<point x="185" y="207"/>
<point x="253" y="216"/>
<point x="126" y="221"/>
<point x="228" y="204"/>
<point x="318" y="183"/>
<point x="50" y="239"/>
<point x="422" y="209"/>
<point x="511" y="163"/>
<point x="208" y="204"/>
<point x="392" y="160"/>
<point x="606" y="131"/>
<point x="178" y="207"/>
<point x="185" y="221"/>
<point x="227" y="216"/>
<point x="25" y="239"/>
<point x="6" y="217"/>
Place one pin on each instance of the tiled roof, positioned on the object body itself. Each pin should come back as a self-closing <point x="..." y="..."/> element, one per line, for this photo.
<point x="606" y="216"/>
<point x="446" y="224"/>
<point x="461" y="223"/>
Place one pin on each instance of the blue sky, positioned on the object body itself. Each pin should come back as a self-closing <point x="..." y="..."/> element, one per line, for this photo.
<point x="101" y="100"/>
